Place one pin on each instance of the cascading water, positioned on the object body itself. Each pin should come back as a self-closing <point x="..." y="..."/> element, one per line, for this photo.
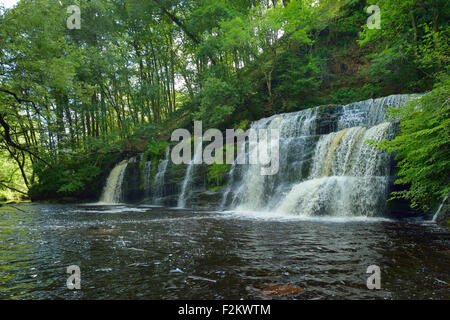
<point x="147" y="178"/>
<point x="348" y="177"/>
<point x="228" y="188"/>
<point x="254" y="189"/>
<point x="186" y="189"/>
<point x="326" y="165"/>
<point x="158" y="193"/>
<point x="112" y="192"/>
<point x="438" y="211"/>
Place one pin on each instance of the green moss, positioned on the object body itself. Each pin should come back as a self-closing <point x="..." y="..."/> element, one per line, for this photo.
<point x="215" y="188"/>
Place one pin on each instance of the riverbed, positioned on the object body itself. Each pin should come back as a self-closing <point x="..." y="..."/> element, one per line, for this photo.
<point x="148" y="252"/>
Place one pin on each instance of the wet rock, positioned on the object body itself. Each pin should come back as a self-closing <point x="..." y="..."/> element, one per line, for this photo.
<point x="132" y="188"/>
<point x="208" y="198"/>
<point x="443" y="218"/>
<point x="327" y="118"/>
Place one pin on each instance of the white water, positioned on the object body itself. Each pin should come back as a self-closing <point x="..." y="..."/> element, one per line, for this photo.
<point x="337" y="174"/>
<point x="147" y="178"/>
<point x="158" y="193"/>
<point x="346" y="153"/>
<point x="370" y="112"/>
<point x="112" y="192"/>
<point x="252" y="193"/>
<point x="228" y="188"/>
<point x="326" y="167"/>
<point x="282" y="217"/>
<point x="438" y="211"/>
<point x="185" y="188"/>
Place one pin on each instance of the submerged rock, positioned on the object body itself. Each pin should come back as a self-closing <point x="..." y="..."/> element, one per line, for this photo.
<point x="209" y="198"/>
<point x="280" y="289"/>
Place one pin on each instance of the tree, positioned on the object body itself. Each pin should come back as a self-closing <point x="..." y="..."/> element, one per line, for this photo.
<point x="423" y="147"/>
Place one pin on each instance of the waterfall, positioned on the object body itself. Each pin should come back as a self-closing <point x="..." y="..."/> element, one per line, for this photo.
<point x="158" y="193"/>
<point x="326" y="165"/>
<point x="229" y="187"/>
<point x="187" y="181"/>
<point x="438" y="211"/>
<point x="348" y="177"/>
<point x="253" y="189"/>
<point x="370" y="112"/>
<point x="112" y="192"/>
<point x="147" y="178"/>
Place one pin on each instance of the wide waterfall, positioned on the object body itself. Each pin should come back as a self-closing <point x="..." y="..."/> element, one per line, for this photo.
<point x="327" y="165"/>
<point x="112" y="193"/>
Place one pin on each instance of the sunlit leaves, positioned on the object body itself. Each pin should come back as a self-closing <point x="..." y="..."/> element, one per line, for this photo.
<point x="423" y="147"/>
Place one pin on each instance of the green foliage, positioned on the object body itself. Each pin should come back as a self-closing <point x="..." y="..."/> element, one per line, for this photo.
<point x="10" y="177"/>
<point x="423" y="147"/>
<point x="217" y="173"/>
<point x="217" y="188"/>
<point x="73" y="181"/>
<point x="72" y="100"/>
<point x="218" y="101"/>
<point x="348" y="95"/>
<point x="297" y="75"/>
<point x="102" y="145"/>
<point x="242" y="125"/>
<point x="75" y="176"/>
<point x="411" y="47"/>
<point x="156" y="149"/>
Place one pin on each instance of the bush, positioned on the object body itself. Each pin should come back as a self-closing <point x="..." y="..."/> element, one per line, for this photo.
<point x="423" y="147"/>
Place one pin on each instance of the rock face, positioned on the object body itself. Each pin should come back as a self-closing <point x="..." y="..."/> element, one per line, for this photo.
<point x="132" y="187"/>
<point x="443" y="216"/>
<point x="207" y="199"/>
<point x="326" y="168"/>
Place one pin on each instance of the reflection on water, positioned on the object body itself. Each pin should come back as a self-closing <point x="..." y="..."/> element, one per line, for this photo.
<point x="155" y="253"/>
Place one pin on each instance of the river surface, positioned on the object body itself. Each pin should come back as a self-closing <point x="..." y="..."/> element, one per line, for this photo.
<point x="145" y="252"/>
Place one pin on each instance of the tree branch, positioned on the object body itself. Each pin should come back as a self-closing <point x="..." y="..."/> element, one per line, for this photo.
<point x="182" y="26"/>
<point x="7" y="137"/>
<point x="13" y="189"/>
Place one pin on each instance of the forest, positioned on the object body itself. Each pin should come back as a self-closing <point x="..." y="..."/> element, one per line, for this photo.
<point x="135" y="160"/>
<point x="74" y="101"/>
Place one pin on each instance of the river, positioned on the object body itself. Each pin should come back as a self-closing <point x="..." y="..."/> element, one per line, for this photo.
<point x="147" y="252"/>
